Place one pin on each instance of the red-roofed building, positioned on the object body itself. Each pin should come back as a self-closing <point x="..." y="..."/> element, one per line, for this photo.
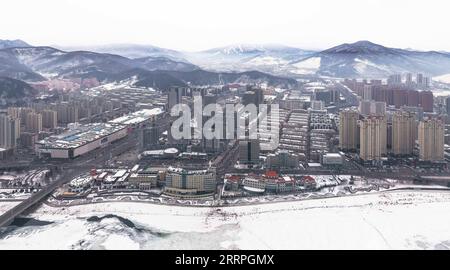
<point x="233" y="182"/>
<point x="271" y="174"/>
<point x="309" y="181"/>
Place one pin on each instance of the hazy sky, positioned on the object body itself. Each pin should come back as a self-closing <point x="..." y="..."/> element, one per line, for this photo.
<point x="202" y="24"/>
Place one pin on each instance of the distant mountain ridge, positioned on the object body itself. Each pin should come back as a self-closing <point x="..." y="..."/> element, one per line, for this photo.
<point x="359" y="59"/>
<point x="38" y="63"/>
<point x="164" y="79"/>
<point x="232" y="58"/>
<point x="5" y="43"/>
<point x="251" y="63"/>
<point x="367" y="59"/>
<point x="130" y="51"/>
<point x="41" y="63"/>
<point x="271" y="58"/>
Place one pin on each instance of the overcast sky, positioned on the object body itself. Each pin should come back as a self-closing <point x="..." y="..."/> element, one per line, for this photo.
<point x="202" y="24"/>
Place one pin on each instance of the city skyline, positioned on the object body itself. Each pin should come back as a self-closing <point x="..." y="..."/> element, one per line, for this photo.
<point x="303" y="25"/>
<point x="224" y="125"/>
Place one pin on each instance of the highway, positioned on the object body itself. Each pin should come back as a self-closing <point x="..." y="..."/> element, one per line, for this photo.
<point x="11" y="214"/>
<point x="351" y="99"/>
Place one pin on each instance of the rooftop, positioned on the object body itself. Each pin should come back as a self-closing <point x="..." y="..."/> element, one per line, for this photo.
<point x="80" y="135"/>
<point x="137" y="117"/>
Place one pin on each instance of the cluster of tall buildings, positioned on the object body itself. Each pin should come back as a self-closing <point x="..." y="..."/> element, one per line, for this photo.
<point x="397" y="95"/>
<point x="373" y="131"/>
<point x="45" y="118"/>
<point x="327" y="96"/>
<point x="420" y="81"/>
<point x="34" y="124"/>
<point x="232" y="122"/>
<point x="372" y="134"/>
<point x="189" y="96"/>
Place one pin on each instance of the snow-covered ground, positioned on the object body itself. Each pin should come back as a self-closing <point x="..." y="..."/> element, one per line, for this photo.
<point x="362" y="65"/>
<point x="438" y="92"/>
<point x="393" y="220"/>
<point x="443" y="78"/>
<point x="308" y="66"/>
<point x="14" y="194"/>
<point x="5" y="205"/>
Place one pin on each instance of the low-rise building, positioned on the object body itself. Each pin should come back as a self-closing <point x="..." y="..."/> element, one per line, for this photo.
<point x="332" y="159"/>
<point x="183" y="182"/>
<point x="143" y="181"/>
<point x="254" y="184"/>
<point x="80" y="140"/>
<point x="80" y="184"/>
<point x="282" y="159"/>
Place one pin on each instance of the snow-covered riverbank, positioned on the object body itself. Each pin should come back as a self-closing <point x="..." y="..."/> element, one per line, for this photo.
<point x="403" y="219"/>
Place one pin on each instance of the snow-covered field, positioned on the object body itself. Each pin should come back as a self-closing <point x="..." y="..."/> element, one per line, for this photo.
<point x="5" y="206"/>
<point x="393" y="220"/>
<point x="308" y="66"/>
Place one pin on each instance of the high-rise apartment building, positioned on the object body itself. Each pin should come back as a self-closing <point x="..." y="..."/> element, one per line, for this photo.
<point x="49" y="119"/>
<point x="149" y="137"/>
<point x="348" y="130"/>
<point x="33" y="122"/>
<point x="395" y="79"/>
<point x="426" y="100"/>
<point x="9" y="131"/>
<point x="249" y="151"/>
<point x="403" y="133"/>
<point x="373" y="138"/>
<point x="431" y="140"/>
<point x="419" y="79"/>
<point x="364" y="107"/>
<point x="14" y="112"/>
<point x="447" y="105"/>
<point x="369" y="107"/>
<point x="174" y="97"/>
<point x="408" y="80"/>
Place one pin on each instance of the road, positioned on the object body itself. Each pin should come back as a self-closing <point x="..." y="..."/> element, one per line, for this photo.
<point x="226" y="160"/>
<point x="350" y="97"/>
<point x="11" y="214"/>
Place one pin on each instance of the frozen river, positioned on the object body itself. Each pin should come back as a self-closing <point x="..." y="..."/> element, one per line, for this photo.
<point x="391" y="220"/>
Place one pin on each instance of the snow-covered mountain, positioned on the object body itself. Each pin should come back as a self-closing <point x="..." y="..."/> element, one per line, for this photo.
<point x="4" y="43"/>
<point x="367" y="59"/>
<point x="236" y="63"/>
<point x="164" y="79"/>
<point x="130" y="51"/>
<point x="35" y="63"/>
<point x="359" y="59"/>
<point x="270" y="58"/>
<point x="50" y="62"/>
<point x="163" y="63"/>
<point x="41" y="63"/>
